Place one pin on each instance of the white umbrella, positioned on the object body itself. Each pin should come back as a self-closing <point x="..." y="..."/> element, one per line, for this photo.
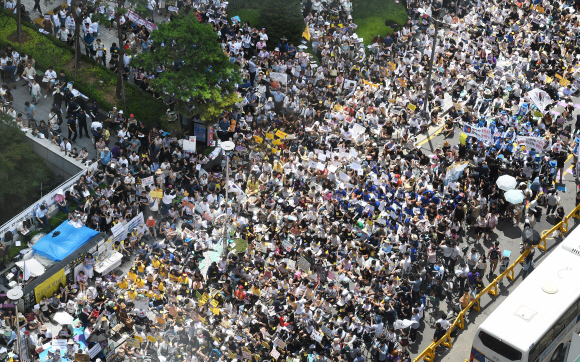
<point x="506" y="182"/>
<point x="403" y="323"/>
<point x="63" y="318"/>
<point x="514" y="196"/>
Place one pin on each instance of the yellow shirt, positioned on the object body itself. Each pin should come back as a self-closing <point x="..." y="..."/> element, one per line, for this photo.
<point x="156" y="263"/>
<point x="123" y="285"/>
<point x="161" y="287"/>
<point x="132" y="294"/>
<point x="140" y="283"/>
<point x="141" y="268"/>
<point x="132" y="275"/>
<point x="253" y="186"/>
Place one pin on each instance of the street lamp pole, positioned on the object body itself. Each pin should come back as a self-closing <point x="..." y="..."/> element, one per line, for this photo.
<point x="227" y="146"/>
<point x="15" y="294"/>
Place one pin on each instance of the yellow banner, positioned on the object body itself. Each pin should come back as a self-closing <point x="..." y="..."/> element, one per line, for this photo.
<point x="281" y="134"/>
<point x="258" y="139"/>
<point x="156" y="194"/>
<point x="373" y="85"/>
<point x="412" y="106"/>
<point x="270" y="136"/>
<point x="50" y="285"/>
<point x="151" y="339"/>
<point x="564" y="82"/>
<point x="391" y="65"/>
<point x="276" y="142"/>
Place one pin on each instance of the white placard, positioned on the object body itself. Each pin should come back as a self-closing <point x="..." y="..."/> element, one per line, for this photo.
<point x="147" y="181"/>
<point x="117" y="229"/>
<point x="189" y="145"/>
<point x="95" y="350"/>
<point x="59" y="343"/>
<point x="317" y="336"/>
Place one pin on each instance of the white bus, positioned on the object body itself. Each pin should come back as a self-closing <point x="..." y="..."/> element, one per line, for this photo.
<point x="536" y="321"/>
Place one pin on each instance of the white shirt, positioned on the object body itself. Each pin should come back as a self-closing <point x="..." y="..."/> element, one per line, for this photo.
<point x="50" y="74"/>
<point x="151" y="5"/>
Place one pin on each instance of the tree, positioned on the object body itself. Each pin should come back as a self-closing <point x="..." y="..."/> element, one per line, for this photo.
<point x="197" y="71"/>
<point x="22" y="172"/>
<point x="282" y="19"/>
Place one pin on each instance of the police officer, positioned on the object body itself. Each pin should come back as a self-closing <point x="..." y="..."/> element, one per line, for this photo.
<point x="82" y="122"/>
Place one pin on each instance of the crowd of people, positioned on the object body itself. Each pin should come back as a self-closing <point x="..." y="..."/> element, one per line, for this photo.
<point x="352" y="228"/>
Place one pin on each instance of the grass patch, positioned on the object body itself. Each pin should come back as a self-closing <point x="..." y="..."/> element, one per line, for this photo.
<point x="208" y="150"/>
<point x="15" y="250"/>
<point x="370" y="17"/>
<point x="240" y="245"/>
<point x="250" y="15"/>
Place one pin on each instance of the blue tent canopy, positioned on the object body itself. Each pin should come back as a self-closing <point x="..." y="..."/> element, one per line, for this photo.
<point x="65" y="243"/>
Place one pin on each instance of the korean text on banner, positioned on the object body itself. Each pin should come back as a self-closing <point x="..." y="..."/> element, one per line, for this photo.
<point x="50" y="285"/>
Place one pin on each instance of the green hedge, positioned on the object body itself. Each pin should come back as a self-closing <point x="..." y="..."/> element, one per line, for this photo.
<point x="93" y="80"/>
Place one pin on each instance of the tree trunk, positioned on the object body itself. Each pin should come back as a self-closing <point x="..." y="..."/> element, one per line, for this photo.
<point x="119" y="91"/>
<point x="19" y="25"/>
<point x="78" y="32"/>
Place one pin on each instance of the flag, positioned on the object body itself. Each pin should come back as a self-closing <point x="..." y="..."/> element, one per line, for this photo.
<point x="306" y="33"/>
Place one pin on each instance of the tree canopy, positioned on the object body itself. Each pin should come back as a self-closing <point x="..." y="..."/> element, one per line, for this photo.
<point x="282" y="19"/>
<point x="21" y="171"/>
<point x="197" y="70"/>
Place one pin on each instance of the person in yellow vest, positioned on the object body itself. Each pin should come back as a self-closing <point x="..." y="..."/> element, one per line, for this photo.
<point x="141" y="268"/>
<point x="132" y="294"/>
<point x="163" y="271"/>
<point x="184" y="280"/>
<point x="156" y="263"/>
<point x="160" y="286"/>
<point x="150" y="278"/>
<point x="139" y="282"/>
<point x="123" y="284"/>
<point x="132" y="274"/>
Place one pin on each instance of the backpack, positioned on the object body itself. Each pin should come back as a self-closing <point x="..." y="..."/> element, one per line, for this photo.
<point x="494" y="255"/>
<point x="542" y="199"/>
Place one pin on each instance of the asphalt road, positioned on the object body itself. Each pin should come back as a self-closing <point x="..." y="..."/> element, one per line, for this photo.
<point x="509" y="238"/>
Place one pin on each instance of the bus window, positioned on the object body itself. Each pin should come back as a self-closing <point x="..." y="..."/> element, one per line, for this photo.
<point x="499" y="347"/>
<point x="541" y="345"/>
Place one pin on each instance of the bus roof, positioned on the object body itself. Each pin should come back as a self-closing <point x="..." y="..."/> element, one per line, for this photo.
<point x="529" y="310"/>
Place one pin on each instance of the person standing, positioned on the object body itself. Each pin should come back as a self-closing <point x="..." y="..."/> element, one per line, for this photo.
<point x="553" y="200"/>
<point x="151" y="6"/>
<point x="72" y="128"/>
<point x="35" y="91"/>
<point x="50" y="78"/>
<point x="88" y="265"/>
<point x="82" y="122"/>
<point x="493" y="255"/>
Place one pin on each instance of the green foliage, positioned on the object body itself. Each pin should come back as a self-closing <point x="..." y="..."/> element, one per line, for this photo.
<point x="370" y="17"/>
<point x="282" y="18"/>
<point x="21" y="171"/>
<point x="247" y="10"/>
<point x="93" y="80"/>
<point x="208" y="77"/>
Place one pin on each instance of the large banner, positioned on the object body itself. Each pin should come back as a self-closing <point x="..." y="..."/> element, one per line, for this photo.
<point x="128" y="227"/>
<point x="50" y="285"/>
<point x="481" y="133"/>
<point x="531" y="143"/>
<point x="140" y="21"/>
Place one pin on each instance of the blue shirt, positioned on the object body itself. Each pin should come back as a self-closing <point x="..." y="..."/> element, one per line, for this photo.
<point x="105" y="157"/>
<point x="40" y="213"/>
